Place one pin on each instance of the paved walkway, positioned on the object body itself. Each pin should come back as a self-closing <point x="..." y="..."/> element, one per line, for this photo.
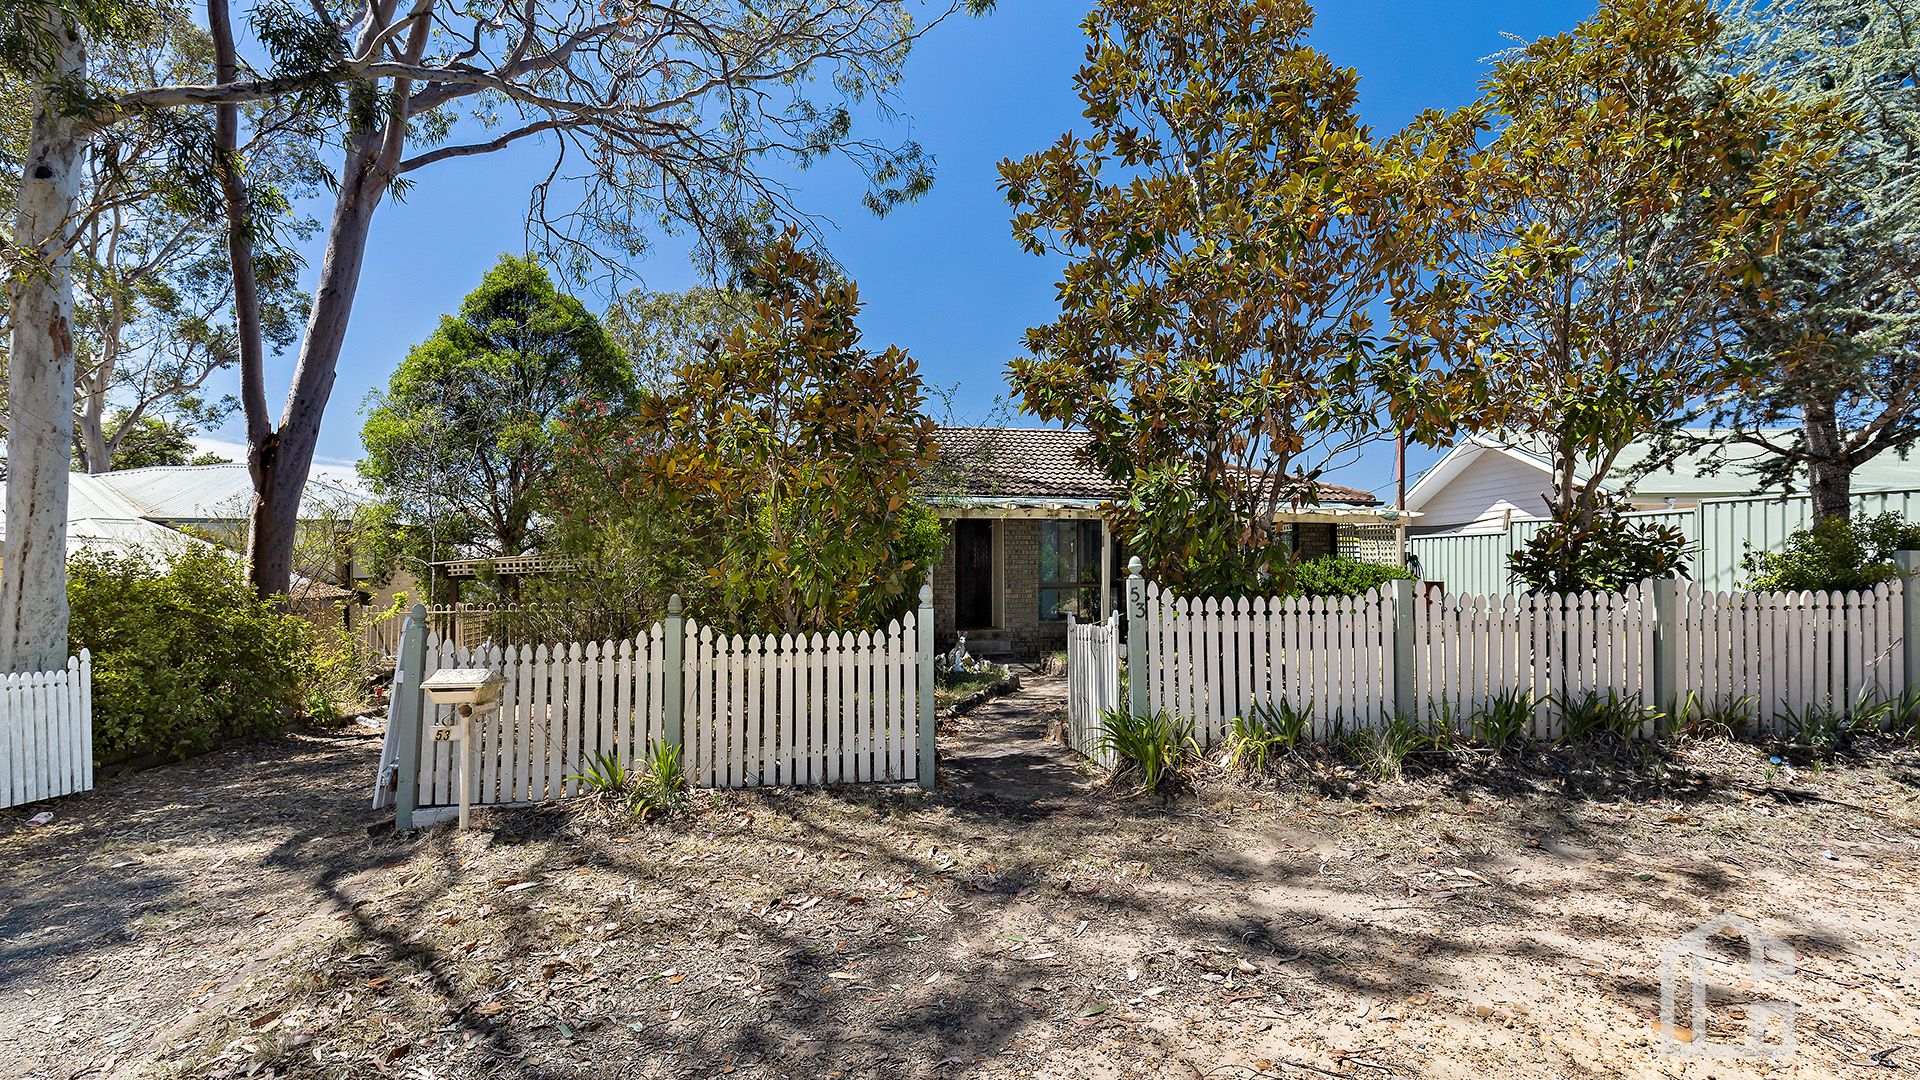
<point x="999" y="756"/>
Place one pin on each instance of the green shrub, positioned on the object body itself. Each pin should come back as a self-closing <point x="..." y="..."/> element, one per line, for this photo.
<point x="1833" y="553"/>
<point x="1156" y="746"/>
<point x="1610" y="554"/>
<point x="1337" y="575"/>
<point x="185" y="657"/>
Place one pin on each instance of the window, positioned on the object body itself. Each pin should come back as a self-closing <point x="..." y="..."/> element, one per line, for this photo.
<point x="1069" y="570"/>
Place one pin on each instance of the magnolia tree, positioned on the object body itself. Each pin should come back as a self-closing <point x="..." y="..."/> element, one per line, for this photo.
<point x="657" y="113"/>
<point x="1593" y="216"/>
<point x="1227" y="226"/>
<point x="786" y="454"/>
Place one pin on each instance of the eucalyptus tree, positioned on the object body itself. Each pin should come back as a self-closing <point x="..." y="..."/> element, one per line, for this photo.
<point x="658" y="115"/>
<point x="1833" y="331"/>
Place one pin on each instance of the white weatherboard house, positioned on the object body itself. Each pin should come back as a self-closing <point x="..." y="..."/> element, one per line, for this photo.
<point x="1487" y="497"/>
<point x="1485" y="483"/>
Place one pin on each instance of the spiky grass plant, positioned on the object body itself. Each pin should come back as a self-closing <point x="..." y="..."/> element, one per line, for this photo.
<point x="1728" y="718"/>
<point x="1503" y="721"/>
<point x="1272" y="731"/>
<point x="662" y="788"/>
<point x="1155" y="745"/>
<point x="605" y="775"/>
<point x="1594" y="714"/>
<point x="1383" y="750"/>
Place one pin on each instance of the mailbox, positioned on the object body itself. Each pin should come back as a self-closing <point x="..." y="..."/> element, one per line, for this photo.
<point x="469" y="687"/>
<point x="472" y="692"/>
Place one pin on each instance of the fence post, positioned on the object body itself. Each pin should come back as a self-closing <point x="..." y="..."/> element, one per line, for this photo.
<point x="923" y="628"/>
<point x="1909" y="564"/>
<point x="1666" y="644"/>
<point x="1137" y="673"/>
<point x="675" y="690"/>
<point x="409" y="703"/>
<point x="1405" y="699"/>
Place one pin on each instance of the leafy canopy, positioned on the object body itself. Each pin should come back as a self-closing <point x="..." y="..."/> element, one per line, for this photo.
<point x="1226" y="228"/>
<point x="1834" y="333"/>
<point x="781" y="459"/>
<point x="1593" y="214"/>
<point x="463" y="437"/>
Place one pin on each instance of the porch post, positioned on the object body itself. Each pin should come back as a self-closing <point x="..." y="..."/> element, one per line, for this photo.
<point x="1106" y="569"/>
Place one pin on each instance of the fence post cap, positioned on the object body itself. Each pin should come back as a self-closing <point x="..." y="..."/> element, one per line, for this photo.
<point x="418" y="611"/>
<point x="926" y="594"/>
<point x="1907" y="561"/>
<point x="673" y="604"/>
<point x="1134" y="566"/>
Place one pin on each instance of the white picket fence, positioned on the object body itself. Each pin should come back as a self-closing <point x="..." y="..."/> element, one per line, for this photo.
<point x="1093" y="680"/>
<point x="1211" y="660"/>
<point x="1469" y="650"/>
<point x="46" y="732"/>
<point x="1770" y="656"/>
<point x="754" y="711"/>
<point x="1782" y="654"/>
<point x="803" y="710"/>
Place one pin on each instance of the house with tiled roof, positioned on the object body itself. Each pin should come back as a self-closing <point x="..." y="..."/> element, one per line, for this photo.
<point x="1027" y="546"/>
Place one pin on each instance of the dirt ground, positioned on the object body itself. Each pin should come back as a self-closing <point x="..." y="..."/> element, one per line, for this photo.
<point x="247" y="914"/>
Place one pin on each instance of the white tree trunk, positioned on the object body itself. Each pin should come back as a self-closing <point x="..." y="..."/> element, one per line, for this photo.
<point x="33" y="577"/>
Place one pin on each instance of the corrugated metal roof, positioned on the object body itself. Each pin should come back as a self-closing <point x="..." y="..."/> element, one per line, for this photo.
<point x="211" y="492"/>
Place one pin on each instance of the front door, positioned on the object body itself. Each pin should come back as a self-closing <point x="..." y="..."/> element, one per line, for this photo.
<point x="973" y="574"/>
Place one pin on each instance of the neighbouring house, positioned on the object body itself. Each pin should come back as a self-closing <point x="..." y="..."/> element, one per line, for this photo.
<point x="1484" y="483"/>
<point x="170" y="508"/>
<point x="1027" y="546"/>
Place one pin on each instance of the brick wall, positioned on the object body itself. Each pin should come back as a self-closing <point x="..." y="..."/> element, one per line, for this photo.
<point x="1313" y="540"/>
<point x="1019" y="601"/>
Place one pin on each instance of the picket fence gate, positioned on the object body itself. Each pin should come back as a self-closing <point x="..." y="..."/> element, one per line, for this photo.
<point x="46" y="732"/>
<point x="1441" y="658"/>
<point x="1093" y="681"/>
<point x="746" y="710"/>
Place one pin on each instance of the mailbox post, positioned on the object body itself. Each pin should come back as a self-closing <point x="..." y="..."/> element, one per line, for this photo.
<point x="472" y="692"/>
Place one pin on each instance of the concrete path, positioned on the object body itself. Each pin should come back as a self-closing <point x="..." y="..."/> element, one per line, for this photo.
<point x="998" y="756"/>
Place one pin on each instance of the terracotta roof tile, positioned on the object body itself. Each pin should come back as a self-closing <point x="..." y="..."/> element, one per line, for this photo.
<point x="1044" y="463"/>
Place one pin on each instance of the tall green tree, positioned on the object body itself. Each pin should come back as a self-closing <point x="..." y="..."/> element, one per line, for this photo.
<point x="684" y="115"/>
<point x="1226" y="231"/>
<point x="463" y="438"/>
<point x="787" y="452"/>
<point x="1595" y="212"/>
<point x="661" y="331"/>
<point x="1834" y="330"/>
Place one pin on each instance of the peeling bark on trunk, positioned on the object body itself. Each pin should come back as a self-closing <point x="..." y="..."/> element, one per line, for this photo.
<point x="1829" y="472"/>
<point x="33" y="578"/>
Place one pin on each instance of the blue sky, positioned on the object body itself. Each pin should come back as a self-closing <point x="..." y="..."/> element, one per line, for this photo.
<point x="942" y="277"/>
